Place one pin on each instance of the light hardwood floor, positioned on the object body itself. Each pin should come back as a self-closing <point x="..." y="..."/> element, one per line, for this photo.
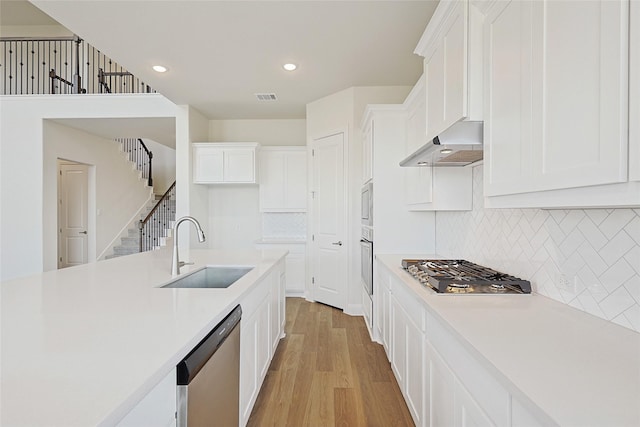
<point x="327" y="372"/>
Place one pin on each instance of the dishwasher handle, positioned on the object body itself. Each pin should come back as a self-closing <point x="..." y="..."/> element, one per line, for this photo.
<point x="189" y="367"/>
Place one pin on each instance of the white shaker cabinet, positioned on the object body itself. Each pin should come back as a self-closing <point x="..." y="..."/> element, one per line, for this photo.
<point x="382" y="307"/>
<point x="428" y="188"/>
<point x="556" y="104"/>
<point x="450" y="403"/>
<point x="283" y="179"/>
<point x="224" y="163"/>
<point x="261" y="330"/>
<point x="294" y="264"/>
<point x="407" y="349"/>
<point x="452" y="50"/>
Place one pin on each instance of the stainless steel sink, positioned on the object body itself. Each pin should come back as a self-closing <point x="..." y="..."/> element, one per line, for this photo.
<point x="210" y="277"/>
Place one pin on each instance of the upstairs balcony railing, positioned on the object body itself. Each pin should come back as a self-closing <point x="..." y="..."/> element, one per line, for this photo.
<point x="61" y="65"/>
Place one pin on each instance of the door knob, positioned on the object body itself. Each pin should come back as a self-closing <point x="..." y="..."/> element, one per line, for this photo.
<point x="83" y="232"/>
<point x="339" y="243"/>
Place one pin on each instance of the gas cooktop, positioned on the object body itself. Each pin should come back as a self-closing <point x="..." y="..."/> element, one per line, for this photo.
<point x="449" y="276"/>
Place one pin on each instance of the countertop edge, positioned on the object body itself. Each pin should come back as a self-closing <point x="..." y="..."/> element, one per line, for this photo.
<point x="434" y="304"/>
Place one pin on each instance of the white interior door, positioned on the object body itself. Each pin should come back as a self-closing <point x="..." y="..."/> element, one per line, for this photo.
<point x="329" y="261"/>
<point x="73" y="194"/>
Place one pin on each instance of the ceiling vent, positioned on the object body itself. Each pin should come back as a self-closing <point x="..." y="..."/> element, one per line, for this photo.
<point x="266" y="96"/>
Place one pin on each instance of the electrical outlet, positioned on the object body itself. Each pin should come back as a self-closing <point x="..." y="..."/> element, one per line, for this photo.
<point x="564" y="283"/>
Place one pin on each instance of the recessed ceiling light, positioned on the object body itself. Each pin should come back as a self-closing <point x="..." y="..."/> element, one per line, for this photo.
<point x="289" y="67"/>
<point x="423" y="163"/>
<point x="446" y="151"/>
<point x="159" y="68"/>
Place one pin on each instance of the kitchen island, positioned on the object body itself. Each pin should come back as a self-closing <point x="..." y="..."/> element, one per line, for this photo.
<point x="504" y="359"/>
<point x="82" y="346"/>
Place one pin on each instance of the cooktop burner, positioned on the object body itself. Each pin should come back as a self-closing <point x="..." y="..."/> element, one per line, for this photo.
<point x="453" y="276"/>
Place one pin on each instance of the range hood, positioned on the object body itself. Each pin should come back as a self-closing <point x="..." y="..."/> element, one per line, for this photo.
<point x="460" y="145"/>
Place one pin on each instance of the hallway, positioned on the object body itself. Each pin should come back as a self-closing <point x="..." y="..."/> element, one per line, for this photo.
<point x="327" y="372"/>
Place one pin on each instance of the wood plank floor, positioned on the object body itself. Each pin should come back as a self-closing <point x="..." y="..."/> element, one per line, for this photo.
<point x="327" y="372"/>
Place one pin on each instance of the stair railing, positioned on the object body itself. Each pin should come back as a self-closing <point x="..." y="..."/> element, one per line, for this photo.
<point x="61" y="65"/>
<point x="140" y="155"/>
<point x="153" y="227"/>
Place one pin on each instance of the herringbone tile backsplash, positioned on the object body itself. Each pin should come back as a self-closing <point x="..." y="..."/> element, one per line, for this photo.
<point x="587" y="258"/>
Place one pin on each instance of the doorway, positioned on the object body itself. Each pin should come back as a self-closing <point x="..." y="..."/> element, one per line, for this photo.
<point x="73" y="208"/>
<point x="329" y="245"/>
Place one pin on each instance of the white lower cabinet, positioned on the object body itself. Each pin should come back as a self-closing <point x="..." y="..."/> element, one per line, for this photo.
<point x="443" y="384"/>
<point x="407" y="349"/>
<point x="381" y="308"/>
<point x="295" y="265"/>
<point x="260" y="331"/>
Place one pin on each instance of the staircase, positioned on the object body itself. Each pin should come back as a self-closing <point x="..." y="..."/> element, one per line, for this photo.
<point x="130" y="244"/>
<point x="156" y="221"/>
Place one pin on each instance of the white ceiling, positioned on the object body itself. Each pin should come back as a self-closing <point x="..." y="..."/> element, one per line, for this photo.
<point x="219" y="53"/>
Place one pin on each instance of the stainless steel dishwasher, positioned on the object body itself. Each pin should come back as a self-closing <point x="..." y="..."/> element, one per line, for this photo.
<point x="209" y="378"/>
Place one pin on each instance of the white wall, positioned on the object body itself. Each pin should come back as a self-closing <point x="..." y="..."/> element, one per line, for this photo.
<point x="586" y="258"/>
<point x="164" y="165"/>
<point x="191" y="199"/>
<point x="117" y="190"/>
<point x="343" y="111"/>
<point x="34" y="31"/>
<point x="266" y="132"/>
<point x="234" y="219"/>
<point x="21" y="159"/>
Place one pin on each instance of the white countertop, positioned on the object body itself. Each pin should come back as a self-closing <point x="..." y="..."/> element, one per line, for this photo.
<point x="578" y="369"/>
<point x="81" y="346"/>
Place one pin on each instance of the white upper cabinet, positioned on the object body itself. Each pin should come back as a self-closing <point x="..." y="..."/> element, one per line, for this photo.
<point x="557" y="104"/>
<point x="224" y="163"/>
<point x="452" y="50"/>
<point x="427" y="188"/>
<point x="283" y="179"/>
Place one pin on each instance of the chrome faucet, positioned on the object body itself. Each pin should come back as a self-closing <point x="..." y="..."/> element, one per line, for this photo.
<point x="176" y="263"/>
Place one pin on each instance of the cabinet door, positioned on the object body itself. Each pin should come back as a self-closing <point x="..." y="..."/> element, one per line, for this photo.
<point x="414" y="377"/>
<point x="274" y="315"/>
<point x="441" y="390"/>
<point x="418" y="183"/>
<point x="208" y="165"/>
<point x="557" y="114"/>
<point x="508" y="129"/>
<point x="249" y="337"/>
<point x="239" y="165"/>
<point x="581" y="128"/>
<point x="445" y="69"/>
<point x="263" y="347"/>
<point x="385" y="303"/>
<point x="295" y="263"/>
<point x="272" y="178"/>
<point x="282" y="303"/>
<point x="295" y="188"/>
<point x="398" y="341"/>
<point x="467" y="413"/>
